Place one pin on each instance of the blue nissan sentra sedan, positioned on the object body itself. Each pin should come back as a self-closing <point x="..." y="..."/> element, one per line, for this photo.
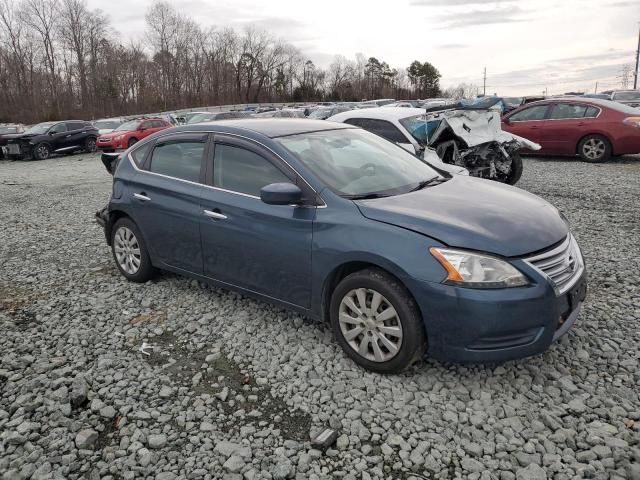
<point x="337" y="223"/>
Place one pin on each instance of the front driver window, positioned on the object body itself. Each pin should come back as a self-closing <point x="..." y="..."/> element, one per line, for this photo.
<point x="58" y="128"/>
<point x="240" y="170"/>
<point x="178" y="159"/>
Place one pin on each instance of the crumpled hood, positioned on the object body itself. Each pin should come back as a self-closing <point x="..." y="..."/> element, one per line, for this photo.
<point x="15" y="137"/>
<point x="476" y="214"/>
<point x="476" y="127"/>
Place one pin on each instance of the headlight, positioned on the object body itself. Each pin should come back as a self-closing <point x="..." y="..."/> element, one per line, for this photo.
<point x="473" y="270"/>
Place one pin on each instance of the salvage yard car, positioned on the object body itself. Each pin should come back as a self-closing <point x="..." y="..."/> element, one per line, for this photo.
<point x="129" y="133"/>
<point x="335" y="222"/>
<point x="470" y="140"/>
<point x="43" y="139"/>
<point x="592" y="128"/>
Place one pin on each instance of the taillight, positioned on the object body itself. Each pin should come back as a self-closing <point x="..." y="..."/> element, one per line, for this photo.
<point x="633" y="121"/>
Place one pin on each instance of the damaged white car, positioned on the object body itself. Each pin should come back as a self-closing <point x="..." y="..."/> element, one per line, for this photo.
<point x="468" y="138"/>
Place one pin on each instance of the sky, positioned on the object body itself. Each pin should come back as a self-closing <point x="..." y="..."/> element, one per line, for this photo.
<point x="527" y="46"/>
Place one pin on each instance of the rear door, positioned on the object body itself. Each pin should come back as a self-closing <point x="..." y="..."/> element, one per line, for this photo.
<point x="76" y="134"/>
<point x="528" y="123"/>
<point x="567" y="123"/>
<point x="247" y="243"/>
<point x="165" y="199"/>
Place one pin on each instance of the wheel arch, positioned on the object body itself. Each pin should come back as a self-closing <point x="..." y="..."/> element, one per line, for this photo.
<point x="341" y="271"/>
<point x="114" y="216"/>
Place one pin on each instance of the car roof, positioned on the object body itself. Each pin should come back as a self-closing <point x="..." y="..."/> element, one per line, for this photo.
<point x="269" y="127"/>
<point x="381" y="113"/>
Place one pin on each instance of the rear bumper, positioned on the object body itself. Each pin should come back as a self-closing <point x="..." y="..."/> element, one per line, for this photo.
<point x="485" y="326"/>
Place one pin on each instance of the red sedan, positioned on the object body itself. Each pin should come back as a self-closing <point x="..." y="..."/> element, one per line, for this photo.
<point x="592" y="128"/>
<point x="129" y="133"/>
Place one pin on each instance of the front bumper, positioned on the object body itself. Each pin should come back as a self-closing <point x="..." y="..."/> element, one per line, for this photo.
<point x="109" y="145"/>
<point x="484" y="326"/>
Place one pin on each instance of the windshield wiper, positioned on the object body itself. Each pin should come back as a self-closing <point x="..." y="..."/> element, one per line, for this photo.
<point x="365" y="196"/>
<point x="426" y="183"/>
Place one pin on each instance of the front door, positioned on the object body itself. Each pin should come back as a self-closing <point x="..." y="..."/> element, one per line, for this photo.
<point x="528" y="123"/>
<point x="59" y="136"/>
<point x="245" y="242"/>
<point x="165" y="198"/>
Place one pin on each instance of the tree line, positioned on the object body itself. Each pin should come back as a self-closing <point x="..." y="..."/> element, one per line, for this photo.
<point x="60" y="59"/>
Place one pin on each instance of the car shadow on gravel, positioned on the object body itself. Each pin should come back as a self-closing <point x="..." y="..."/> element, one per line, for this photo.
<point x="217" y="376"/>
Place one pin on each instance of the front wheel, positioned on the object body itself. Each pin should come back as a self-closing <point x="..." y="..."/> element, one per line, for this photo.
<point x="42" y="151"/>
<point x="130" y="252"/>
<point x="516" y="169"/>
<point x="377" y="322"/>
<point x="594" y="149"/>
<point x="132" y="142"/>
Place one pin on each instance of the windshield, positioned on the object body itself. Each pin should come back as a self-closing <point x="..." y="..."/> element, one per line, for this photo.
<point x="321" y="113"/>
<point x="201" y="117"/>
<point x="8" y="129"/>
<point x="41" y="128"/>
<point x="355" y="163"/>
<point x="128" y="126"/>
<point x="512" y="100"/>
<point x="107" y="124"/>
<point x="419" y="128"/>
<point x="627" y="95"/>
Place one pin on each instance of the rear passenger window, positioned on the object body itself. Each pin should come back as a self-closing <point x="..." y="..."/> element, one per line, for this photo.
<point x="591" y="112"/>
<point x="178" y="159"/>
<point x="567" y="110"/>
<point x="243" y="171"/>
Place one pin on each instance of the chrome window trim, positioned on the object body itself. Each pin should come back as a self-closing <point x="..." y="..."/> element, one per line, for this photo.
<point x="576" y="118"/>
<point x="133" y="163"/>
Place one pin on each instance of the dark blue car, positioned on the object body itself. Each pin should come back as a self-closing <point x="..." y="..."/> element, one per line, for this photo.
<point x="339" y="224"/>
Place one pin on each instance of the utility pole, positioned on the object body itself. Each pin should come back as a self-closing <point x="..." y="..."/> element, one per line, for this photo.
<point x="595" y="90"/>
<point x="484" y="82"/>
<point x="635" y="72"/>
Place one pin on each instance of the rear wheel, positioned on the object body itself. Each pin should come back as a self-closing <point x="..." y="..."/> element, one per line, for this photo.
<point x="376" y="321"/>
<point x="90" y="145"/>
<point x="130" y="252"/>
<point x="594" y="149"/>
<point x="42" y="151"/>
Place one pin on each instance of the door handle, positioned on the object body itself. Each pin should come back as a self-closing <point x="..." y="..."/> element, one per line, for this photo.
<point x="141" y="196"/>
<point x="215" y="215"/>
<point x="68" y="136"/>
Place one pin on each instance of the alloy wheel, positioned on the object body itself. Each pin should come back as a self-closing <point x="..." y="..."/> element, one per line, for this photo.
<point x="42" y="152"/>
<point x="91" y="145"/>
<point x="594" y="148"/>
<point x="127" y="250"/>
<point x="370" y="325"/>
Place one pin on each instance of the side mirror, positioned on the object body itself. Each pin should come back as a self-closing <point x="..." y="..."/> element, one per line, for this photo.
<point x="51" y="132"/>
<point x="280" y="194"/>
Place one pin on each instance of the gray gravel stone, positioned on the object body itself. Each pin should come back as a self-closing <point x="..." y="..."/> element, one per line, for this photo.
<point x="267" y="379"/>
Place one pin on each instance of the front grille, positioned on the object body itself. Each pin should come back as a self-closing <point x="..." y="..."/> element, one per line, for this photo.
<point x="562" y="264"/>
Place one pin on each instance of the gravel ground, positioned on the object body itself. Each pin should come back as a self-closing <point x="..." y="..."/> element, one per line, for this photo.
<point x="228" y="387"/>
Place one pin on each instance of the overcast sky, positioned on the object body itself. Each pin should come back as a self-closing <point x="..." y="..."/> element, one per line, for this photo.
<point x="526" y="45"/>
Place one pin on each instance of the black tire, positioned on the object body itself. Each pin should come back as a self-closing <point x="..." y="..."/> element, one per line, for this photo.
<point x="412" y="344"/>
<point x="145" y="270"/>
<point x="595" y="149"/>
<point x="516" y="169"/>
<point x="41" y="151"/>
<point x="90" y="145"/>
<point x="132" y="142"/>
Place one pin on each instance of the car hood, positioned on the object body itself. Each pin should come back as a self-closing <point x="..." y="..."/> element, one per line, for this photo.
<point x="475" y="214"/>
<point x="113" y="134"/>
